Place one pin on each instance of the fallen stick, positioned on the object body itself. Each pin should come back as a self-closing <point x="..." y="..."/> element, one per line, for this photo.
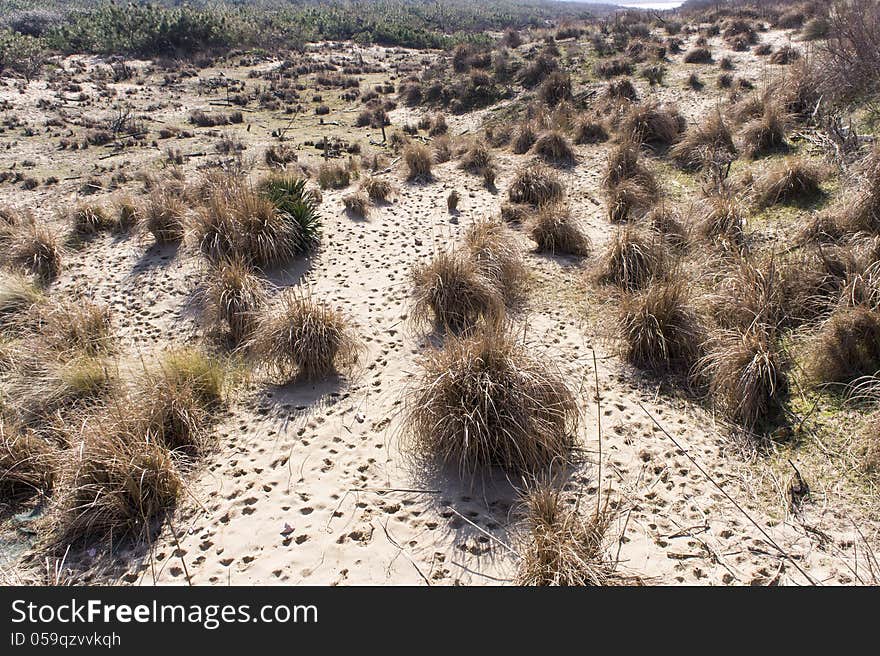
<point x="486" y="533"/>
<point x="782" y="551"/>
<point x="391" y="489"/>
<point x="179" y="551"/>
<point x="599" y="423"/>
<point x="405" y="553"/>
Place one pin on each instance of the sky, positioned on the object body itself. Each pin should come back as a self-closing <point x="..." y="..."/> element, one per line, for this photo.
<point x="648" y="5"/>
<point x="642" y="4"/>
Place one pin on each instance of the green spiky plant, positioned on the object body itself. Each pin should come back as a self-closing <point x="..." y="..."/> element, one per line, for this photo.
<point x="290" y="196"/>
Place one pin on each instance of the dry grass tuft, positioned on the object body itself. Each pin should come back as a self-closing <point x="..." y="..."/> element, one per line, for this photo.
<point x="77" y="326"/>
<point x="524" y="138"/>
<point x="860" y="212"/>
<point x="233" y="297"/>
<point x="590" y="131"/>
<point x="515" y="213"/>
<point x="705" y="145"/>
<point x="494" y="249"/>
<point x="304" y="338"/>
<point x="624" y="165"/>
<point x="204" y="375"/>
<point x="128" y="215"/>
<point x="88" y="220"/>
<point x="819" y="278"/>
<point x="561" y="548"/>
<point x="628" y="200"/>
<point x="621" y="90"/>
<point x="719" y="217"/>
<point x="115" y="487"/>
<point x="609" y="68"/>
<point x="357" y="204"/>
<point x="785" y="55"/>
<point x="264" y="227"/>
<point x="212" y="228"/>
<point x="442" y="149"/>
<point x="747" y="375"/>
<point x="377" y="189"/>
<point x="748" y="107"/>
<point x="869" y="438"/>
<point x="652" y="124"/>
<point x="660" y="329"/>
<point x="535" y="185"/>
<point x="555" y="88"/>
<point x="795" y="180"/>
<point x="484" y="401"/>
<point x="333" y="175"/>
<point x="28" y="464"/>
<point x="766" y="132"/>
<point x="555" y="230"/>
<point x="554" y="148"/>
<point x="418" y="159"/>
<point x="846" y="347"/>
<point x="18" y="295"/>
<point x="48" y="385"/>
<point x="265" y="235"/>
<point x="173" y="403"/>
<point x="749" y="291"/>
<point x="37" y="249"/>
<point x="633" y="258"/>
<point x="165" y="216"/>
<point x="477" y="158"/>
<point x="454" y="293"/>
<point x="698" y="55"/>
<point x="667" y="221"/>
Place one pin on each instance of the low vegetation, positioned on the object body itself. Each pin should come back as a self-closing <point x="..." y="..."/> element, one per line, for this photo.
<point x="484" y="401"/>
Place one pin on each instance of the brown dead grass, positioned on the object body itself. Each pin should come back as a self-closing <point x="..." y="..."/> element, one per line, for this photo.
<point x="418" y="159"/>
<point x="846" y="346"/>
<point x="37" y="249"/>
<point x="632" y="259"/>
<point x="652" y="124"/>
<point x="554" y="148"/>
<point x="115" y="487"/>
<point x="659" y="327"/>
<point x="624" y="164"/>
<point x="233" y="297"/>
<point x="766" y="132"/>
<point x="561" y="547"/>
<point x="747" y="375"/>
<point x="795" y="180"/>
<point x="299" y="336"/>
<point x="165" y="216"/>
<point x="485" y="401"/>
<point x="535" y="185"/>
<point x="710" y="143"/>
<point x="555" y="230"/>
<point x="452" y="292"/>
<point x="28" y="463"/>
<point x="493" y="247"/>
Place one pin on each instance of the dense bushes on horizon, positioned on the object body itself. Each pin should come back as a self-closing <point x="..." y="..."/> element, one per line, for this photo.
<point x="21" y="54"/>
<point x="152" y="29"/>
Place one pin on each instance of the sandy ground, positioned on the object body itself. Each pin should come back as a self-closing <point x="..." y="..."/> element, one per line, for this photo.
<point x="309" y="484"/>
